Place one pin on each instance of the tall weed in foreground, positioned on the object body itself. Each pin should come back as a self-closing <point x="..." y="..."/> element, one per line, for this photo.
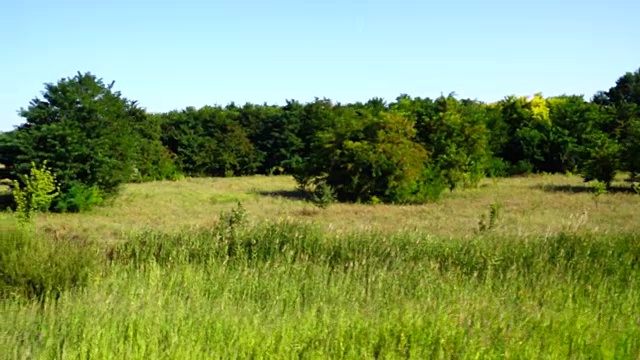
<point x="288" y="290"/>
<point x="599" y="189"/>
<point x="35" y="267"/>
<point x="489" y="222"/>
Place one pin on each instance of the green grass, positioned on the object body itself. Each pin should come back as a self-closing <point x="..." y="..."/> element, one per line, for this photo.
<point x="541" y="204"/>
<point x="169" y="270"/>
<point x="231" y="198"/>
<point x="289" y="290"/>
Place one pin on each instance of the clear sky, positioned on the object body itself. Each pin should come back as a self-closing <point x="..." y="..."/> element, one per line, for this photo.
<point x="173" y="54"/>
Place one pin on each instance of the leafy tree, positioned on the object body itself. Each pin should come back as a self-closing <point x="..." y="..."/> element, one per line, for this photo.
<point x="543" y="135"/>
<point x="626" y="90"/>
<point x="454" y="134"/>
<point x="601" y="156"/>
<point x="208" y="142"/>
<point x="573" y="120"/>
<point x="631" y="148"/>
<point x="83" y="129"/>
<point x="7" y="147"/>
<point x="363" y="157"/>
<point x="274" y="133"/>
<point x="624" y="100"/>
<point x="153" y="160"/>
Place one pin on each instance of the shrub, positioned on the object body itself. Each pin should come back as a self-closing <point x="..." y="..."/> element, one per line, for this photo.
<point x="497" y="167"/>
<point x="599" y="189"/>
<point x="455" y="135"/>
<point x="522" y="167"/>
<point x="209" y="142"/>
<point x="601" y="158"/>
<point x="361" y="156"/>
<point x="79" y="198"/>
<point x="489" y="222"/>
<point x="323" y="195"/>
<point x="35" y="192"/>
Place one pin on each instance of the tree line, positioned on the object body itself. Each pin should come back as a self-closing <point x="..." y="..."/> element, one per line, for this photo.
<point x="409" y="150"/>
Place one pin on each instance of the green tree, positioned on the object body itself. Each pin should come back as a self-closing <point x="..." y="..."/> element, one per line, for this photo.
<point x="153" y="160"/>
<point x="83" y="129"/>
<point x="624" y="100"/>
<point x="209" y="142"/>
<point x="364" y="157"/>
<point x="454" y="134"/>
<point x="601" y="158"/>
<point x="273" y="131"/>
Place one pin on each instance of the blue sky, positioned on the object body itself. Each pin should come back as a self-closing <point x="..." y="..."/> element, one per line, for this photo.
<point x="173" y="54"/>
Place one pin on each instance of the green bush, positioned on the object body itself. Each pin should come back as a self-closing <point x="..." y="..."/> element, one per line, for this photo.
<point x="323" y="195"/>
<point x="361" y="156"/>
<point x="79" y="198"/>
<point x="497" y="167"/>
<point x="601" y="158"/>
<point x="454" y="134"/>
<point x="35" y="192"/>
<point x="522" y="167"/>
<point x="209" y="142"/>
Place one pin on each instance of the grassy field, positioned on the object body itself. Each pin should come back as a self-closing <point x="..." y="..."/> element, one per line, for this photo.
<point x="529" y="205"/>
<point x="158" y="275"/>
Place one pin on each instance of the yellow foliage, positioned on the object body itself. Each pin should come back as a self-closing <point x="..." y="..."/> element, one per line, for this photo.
<point x="540" y="109"/>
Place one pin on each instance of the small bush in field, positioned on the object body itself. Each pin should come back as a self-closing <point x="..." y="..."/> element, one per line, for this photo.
<point x="323" y="195"/>
<point x="489" y="224"/>
<point x="599" y="188"/>
<point x="601" y="158"/>
<point x="78" y="198"/>
<point x="235" y="218"/>
<point x="522" y="167"/>
<point x="35" y="192"/>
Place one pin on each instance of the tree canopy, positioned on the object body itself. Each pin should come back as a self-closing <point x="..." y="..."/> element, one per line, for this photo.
<point x="407" y="150"/>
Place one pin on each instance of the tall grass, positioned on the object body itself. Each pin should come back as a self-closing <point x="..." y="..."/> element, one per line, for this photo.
<point x="284" y="290"/>
<point x="35" y="267"/>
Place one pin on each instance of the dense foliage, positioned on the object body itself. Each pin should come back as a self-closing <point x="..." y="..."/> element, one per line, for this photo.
<point x="364" y="156"/>
<point x="408" y="150"/>
<point x="91" y="137"/>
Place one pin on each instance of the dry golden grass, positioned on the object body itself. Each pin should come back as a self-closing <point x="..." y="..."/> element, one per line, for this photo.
<point x="536" y="204"/>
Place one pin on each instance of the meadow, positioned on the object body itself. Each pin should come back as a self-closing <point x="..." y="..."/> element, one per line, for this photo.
<point x="180" y="270"/>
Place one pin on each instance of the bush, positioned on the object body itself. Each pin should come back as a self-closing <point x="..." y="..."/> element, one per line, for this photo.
<point x="35" y="192"/>
<point x="601" y="156"/>
<point x="361" y="156"/>
<point x="522" y="167"/>
<point x="454" y="134"/>
<point x="323" y="195"/>
<point x="430" y="186"/>
<point x="209" y="142"/>
<point x="497" y="167"/>
<point x="79" y="198"/>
